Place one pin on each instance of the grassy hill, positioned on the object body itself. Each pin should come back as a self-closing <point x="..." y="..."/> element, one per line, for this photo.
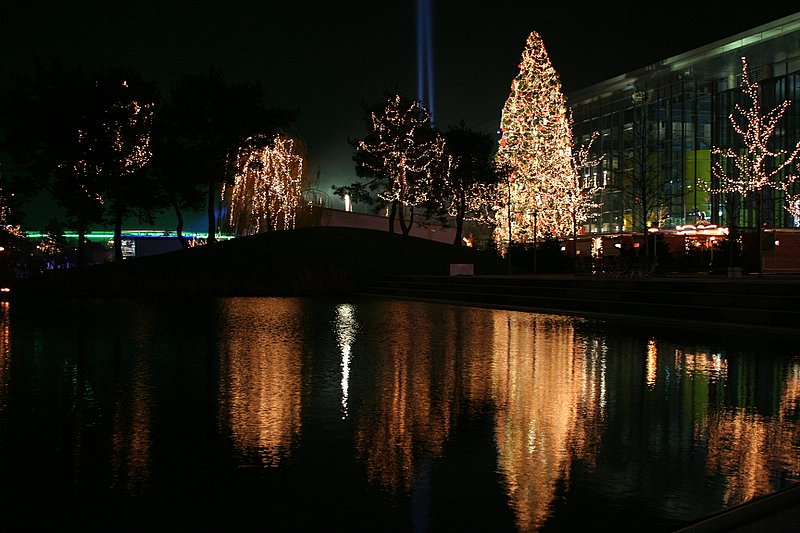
<point x="307" y="261"/>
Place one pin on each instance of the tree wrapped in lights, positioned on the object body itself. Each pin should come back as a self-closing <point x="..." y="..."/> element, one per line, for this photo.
<point x="536" y="147"/>
<point x="793" y="204"/>
<point x="399" y="153"/>
<point x="114" y="143"/>
<point x="205" y="123"/>
<point x="759" y="166"/>
<point x="8" y="230"/>
<point x="577" y="192"/>
<point x="266" y="190"/>
<point x="470" y="177"/>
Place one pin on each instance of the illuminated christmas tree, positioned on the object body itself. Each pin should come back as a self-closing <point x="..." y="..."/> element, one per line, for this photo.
<point x="536" y="149"/>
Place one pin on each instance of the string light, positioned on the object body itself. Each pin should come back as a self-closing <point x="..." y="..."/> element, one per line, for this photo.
<point x="403" y="147"/>
<point x="266" y="189"/>
<point x="758" y="167"/>
<point x="8" y="229"/>
<point x="577" y="192"/>
<point x="536" y="145"/>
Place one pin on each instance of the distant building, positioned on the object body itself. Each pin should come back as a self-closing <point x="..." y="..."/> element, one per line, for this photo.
<point x="666" y="117"/>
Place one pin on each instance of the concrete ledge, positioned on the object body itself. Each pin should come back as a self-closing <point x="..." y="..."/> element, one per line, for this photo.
<point x="462" y="269"/>
<point x="775" y="512"/>
<point x="754" y="308"/>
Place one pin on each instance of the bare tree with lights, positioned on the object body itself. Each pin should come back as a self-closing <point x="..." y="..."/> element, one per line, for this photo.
<point x="579" y="188"/>
<point x="759" y="167"/>
<point x="266" y="190"/>
<point x="536" y="144"/>
<point x="399" y="154"/>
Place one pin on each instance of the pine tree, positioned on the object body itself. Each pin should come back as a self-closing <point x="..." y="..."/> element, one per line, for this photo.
<point x="536" y="147"/>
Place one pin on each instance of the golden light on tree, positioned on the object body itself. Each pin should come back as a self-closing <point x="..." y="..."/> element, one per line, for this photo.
<point x="267" y="188"/>
<point x="401" y="150"/>
<point x="536" y="146"/>
<point x="759" y="166"/>
<point x="577" y="192"/>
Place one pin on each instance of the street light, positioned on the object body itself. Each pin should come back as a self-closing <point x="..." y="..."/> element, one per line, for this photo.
<point x="508" y="252"/>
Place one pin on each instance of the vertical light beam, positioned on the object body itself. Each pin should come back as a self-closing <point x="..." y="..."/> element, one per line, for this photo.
<point x="425" y="56"/>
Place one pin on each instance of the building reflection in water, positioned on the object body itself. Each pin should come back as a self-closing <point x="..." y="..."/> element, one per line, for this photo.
<point x="549" y="386"/>
<point x="744" y="445"/>
<point x="345" y="326"/>
<point x="260" y="378"/>
<point x="745" y="420"/>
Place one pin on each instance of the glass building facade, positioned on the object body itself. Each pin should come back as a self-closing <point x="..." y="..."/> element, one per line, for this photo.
<point x="657" y="127"/>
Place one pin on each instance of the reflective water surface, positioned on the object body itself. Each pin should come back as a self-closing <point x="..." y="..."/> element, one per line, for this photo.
<point x="268" y="413"/>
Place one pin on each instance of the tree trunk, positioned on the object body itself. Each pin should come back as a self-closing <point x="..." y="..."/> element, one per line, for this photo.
<point x="117" y="238"/>
<point x="644" y="228"/>
<point x="732" y="210"/>
<point x="212" y="215"/>
<point x="405" y="228"/>
<point x="760" y="233"/>
<point x="81" y="246"/>
<point x="392" y="215"/>
<point x="460" y="213"/>
<point x="574" y="243"/>
<point x="179" y="228"/>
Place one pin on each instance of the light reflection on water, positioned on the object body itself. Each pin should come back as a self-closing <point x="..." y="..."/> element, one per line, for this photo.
<point x="542" y="422"/>
<point x="549" y="388"/>
<point x="345" y="328"/>
<point x="261" y="377"/>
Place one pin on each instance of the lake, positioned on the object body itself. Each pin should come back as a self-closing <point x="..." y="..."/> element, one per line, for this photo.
<point x="352" y="414"/>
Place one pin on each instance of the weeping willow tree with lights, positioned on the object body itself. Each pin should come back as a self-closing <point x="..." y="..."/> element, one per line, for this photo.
<point x="267" y="187"/>
<point x="535" y="148"/>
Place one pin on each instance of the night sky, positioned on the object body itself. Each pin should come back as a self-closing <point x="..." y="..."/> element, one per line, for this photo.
<point x="324" y="59"/>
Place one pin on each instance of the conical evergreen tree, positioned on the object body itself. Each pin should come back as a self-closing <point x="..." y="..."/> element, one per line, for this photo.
<point x="535" y="148"/>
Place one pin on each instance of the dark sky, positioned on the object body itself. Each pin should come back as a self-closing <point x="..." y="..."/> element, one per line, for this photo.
<point x="324" y="58"/>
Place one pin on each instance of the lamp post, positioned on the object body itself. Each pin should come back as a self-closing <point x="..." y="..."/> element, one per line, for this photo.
<point x="535" y="237"/>
<point x="508" y="252"/>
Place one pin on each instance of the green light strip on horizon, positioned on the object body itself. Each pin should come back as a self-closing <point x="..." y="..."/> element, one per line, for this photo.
<point x="105" y="235"/>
